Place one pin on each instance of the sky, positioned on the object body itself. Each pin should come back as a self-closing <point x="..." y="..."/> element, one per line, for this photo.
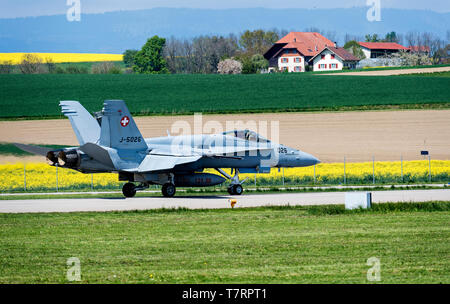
<point x="25" y="8"/>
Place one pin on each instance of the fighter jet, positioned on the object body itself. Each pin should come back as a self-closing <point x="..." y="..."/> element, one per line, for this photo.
<point x="110" y="141"/>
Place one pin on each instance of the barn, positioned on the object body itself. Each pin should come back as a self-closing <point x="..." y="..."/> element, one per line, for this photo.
<point x="380" y="49"/>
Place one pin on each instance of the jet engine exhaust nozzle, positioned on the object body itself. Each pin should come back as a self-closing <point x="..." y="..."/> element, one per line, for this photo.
<point x="68" y="158"/>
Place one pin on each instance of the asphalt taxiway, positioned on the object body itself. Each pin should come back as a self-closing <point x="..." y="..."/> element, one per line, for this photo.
<point x="212" y="201"/>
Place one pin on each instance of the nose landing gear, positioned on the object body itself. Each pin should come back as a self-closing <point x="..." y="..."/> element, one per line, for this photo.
<point x="235" y="187"/>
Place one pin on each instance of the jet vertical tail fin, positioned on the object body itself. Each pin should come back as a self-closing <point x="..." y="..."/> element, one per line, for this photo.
<point x="118" y="128"/>
<point x="84" y="125"/>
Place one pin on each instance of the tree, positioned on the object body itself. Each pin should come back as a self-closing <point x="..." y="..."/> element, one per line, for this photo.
<point x="229" y="66"/>
<point x="391" y="37"/>
<point x="149" y="60"/>
<point x="441" y="55"/>
<point x="425" y="40"/>
<point x="353" y="47"/>
<point x="372" y="38"/>
<point x="259" y="62"/>
<point x="258" y="41"/>
<point x="410" y="59"/>
<point x="248" y="67"/>
<point x="208" y="51"/>
<point x="31" y="64"/>
<point x="128" y="57"/>
<point x="200" y="54"/>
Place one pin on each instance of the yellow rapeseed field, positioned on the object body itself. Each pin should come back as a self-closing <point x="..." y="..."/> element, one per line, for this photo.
<point x="62" y="57"/>
<point x="40" y="176"/>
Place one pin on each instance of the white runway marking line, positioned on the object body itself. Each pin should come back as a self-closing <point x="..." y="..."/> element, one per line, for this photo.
<point x="212" y="202"/>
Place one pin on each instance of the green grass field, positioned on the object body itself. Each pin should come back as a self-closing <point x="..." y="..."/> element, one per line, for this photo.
<point x="37" y="96"/>
<point x="321" y="244"/>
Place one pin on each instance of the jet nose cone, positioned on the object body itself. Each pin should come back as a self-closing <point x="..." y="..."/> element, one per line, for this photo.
<point x="313" y="160"/>
<point x="308" y="160"/>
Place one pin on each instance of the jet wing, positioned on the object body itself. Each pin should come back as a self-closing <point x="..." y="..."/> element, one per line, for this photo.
<point x="156" y="162"/>
<point x="38" y="150"/>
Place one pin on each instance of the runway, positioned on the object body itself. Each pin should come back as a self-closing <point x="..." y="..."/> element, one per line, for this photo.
<point x="212" y="202"/>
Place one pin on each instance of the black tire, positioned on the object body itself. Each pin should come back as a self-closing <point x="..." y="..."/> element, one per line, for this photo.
<point x="168" y="190"/>
<point x="237" y="189"/>
<point x="129" y="190"/>
<point x="230" y="190"/>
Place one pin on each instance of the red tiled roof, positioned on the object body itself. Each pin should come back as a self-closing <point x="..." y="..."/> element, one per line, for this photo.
<point x="307" y="43"/>
<point x="382" y="46"/>
<point x="419" y="48"/>
<point x="341" y="52"/>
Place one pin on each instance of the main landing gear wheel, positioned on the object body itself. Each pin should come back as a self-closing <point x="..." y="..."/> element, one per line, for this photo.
<point x="235" y="189"/>
<point x="129" y="190"/>
<point x="168" y="190"/>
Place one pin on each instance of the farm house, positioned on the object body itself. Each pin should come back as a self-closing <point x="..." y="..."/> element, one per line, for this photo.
<point x="292" y="51"/>
<point x="333" y="59"/>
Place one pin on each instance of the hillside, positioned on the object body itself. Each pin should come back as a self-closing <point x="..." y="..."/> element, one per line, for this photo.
<point x="114" y="32"/>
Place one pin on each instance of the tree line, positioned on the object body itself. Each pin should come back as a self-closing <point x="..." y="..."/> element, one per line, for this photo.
<point x="202" y="54"/>
<point x="244" y="54"/>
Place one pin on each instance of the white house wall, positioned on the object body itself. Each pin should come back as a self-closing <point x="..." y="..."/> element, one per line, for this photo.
<point x="327" y="61"/>
<point x="291" y="64"/>
<point x="366" y="52"/>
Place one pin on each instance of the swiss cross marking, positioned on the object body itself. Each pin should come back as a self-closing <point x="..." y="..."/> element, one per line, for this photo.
<point x="124" y="121"/>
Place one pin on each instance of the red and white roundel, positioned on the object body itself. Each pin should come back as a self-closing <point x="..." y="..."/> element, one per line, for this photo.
<point x="124" y="121"/>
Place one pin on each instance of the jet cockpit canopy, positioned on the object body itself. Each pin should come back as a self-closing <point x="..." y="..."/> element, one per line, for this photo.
<point x="247" y="135"/>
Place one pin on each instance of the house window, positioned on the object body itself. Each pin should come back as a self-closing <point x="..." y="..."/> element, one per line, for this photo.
<point x="322" y="66"/>
<point x="332" y="56"/>
<point x="284" y="60"/>
<point x="322" y="57"/>
<point x="334" y="65"/>
<point x="297" y="59"/>
<point x="285" y="69"/>
<point x="297" y="69"/>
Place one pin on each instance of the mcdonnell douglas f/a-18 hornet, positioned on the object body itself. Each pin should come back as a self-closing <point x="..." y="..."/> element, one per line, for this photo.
<point x="111" y="142"/>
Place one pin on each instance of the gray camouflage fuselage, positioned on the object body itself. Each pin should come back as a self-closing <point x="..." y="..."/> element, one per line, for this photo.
<point x="113" y="143"/>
